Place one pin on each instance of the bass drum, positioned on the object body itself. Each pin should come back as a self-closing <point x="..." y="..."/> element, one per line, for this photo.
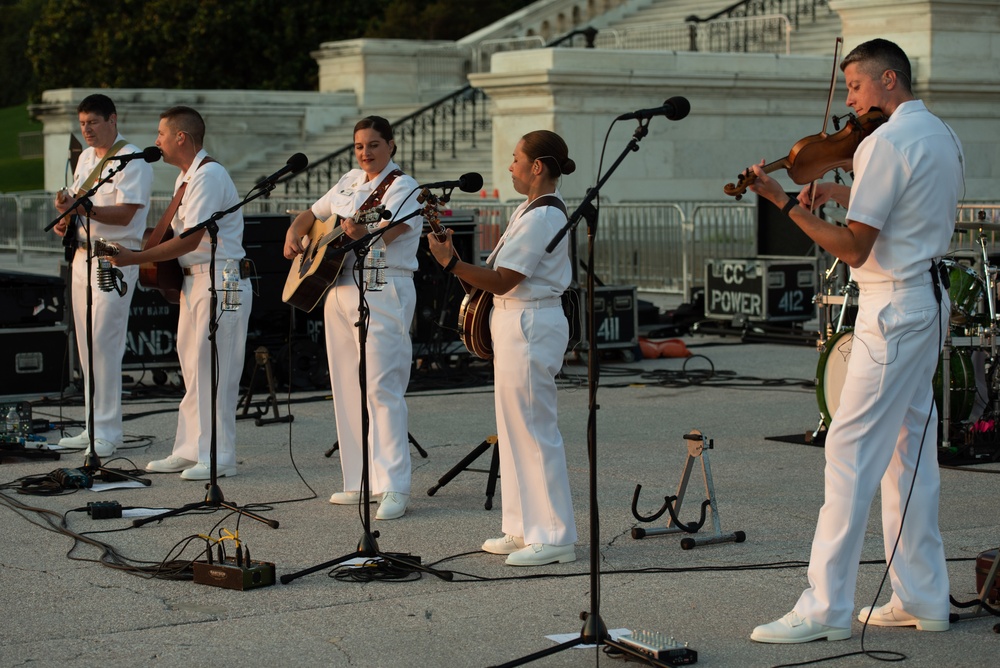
<point x="831" y="373"/>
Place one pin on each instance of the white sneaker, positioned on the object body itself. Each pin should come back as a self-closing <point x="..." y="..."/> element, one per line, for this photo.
<point x="171" y="464"/>
<point x="506" y="544"/>
<point x="102" y="447"/>
<point x="792" y="629"/>
<point x="539" y="554"/>
<point x="889" y="615"/>
<point x="79" y="441"/>
<point x="393" y="505"/>
<point x="202" y="471"/>
<point x="351" y="498"/>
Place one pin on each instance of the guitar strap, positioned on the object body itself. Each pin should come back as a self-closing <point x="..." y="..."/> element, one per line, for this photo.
<point x="542" y="200"/>
<point x="376" y="197"/>
<point x="175" y="203"/>
<point x="69" y="241"/>
<point x="96" y="171"/>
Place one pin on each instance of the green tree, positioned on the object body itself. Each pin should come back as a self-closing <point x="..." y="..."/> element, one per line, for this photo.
<point x="220" y="44"/>
<point x="16" y="76"/>
<point x="256" y="44"/>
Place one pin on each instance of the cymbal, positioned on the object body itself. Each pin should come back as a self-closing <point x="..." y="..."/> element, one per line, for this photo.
<point x="974" y="225"/>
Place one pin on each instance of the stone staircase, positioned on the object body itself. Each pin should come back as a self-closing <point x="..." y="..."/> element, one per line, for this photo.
<point x="813" y="38"/>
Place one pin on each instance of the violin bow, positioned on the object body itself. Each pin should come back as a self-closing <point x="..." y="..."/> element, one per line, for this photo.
<point x="829" y="104"/>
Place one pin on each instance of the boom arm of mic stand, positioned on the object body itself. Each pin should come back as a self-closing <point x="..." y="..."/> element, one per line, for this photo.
<point x="215" y="217"/>
<point x="586" y="209"/>
<point x="84" y="198"/>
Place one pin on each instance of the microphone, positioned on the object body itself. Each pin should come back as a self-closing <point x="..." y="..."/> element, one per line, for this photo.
<point x="110" y="277"/>
<point x="674" y="109"/>
<point x="295" y="164"/>
<point x="149" y="154"/>
<point x="467" y="183"/>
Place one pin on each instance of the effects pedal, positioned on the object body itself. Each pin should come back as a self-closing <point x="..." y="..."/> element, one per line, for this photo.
<point x="659" y="646"/>
<point x="228" y="575"/>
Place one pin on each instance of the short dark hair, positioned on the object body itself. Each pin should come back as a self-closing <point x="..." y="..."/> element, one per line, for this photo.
<point x="186" y="120"/>
<point x="97" y="104"/>
<point x="379" y="125"/>
<point x="551" y="149"/>
<point x="878" y="55"/>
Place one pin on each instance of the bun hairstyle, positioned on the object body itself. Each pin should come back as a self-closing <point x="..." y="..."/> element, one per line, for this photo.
<point x="379" y="125"/>
<point x="550" y="148"/>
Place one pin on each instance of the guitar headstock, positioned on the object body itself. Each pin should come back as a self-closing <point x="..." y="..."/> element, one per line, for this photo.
<point x="103" y="249"/>
<point x="369" y="216"/>
<point x="432" y="213"/>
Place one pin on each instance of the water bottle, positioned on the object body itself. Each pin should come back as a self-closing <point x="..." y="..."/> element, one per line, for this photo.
<point x="375" y="263"/>
<point x="12" y="423"/>
<point x="231" y="285"/>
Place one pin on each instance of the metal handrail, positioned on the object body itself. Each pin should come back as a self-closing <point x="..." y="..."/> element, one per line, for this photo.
<point x="756" y="7"/>
<point x="420" y="134"/>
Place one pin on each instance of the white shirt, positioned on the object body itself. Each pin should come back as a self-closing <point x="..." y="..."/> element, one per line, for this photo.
<point x="133" y="184"/>
<point x="908" y="177"/>
<point x="522" y="249"/>
<point x="209" y="190"/>
<point x="400" y="199"/>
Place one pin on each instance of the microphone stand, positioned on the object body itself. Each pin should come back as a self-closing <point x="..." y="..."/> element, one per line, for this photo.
<point x="594" y="630"/>
<point x="91" y="461"/>
<point x="214" y="497"/>
<point x="368" y="545"/>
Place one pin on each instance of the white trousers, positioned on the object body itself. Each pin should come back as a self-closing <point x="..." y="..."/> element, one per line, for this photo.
<point x="194" y="419"/>
<point x="886" y="411"/>
<point x="110" y="318"/>
<point x="388" y="358"/>
<point x="528" y="349"/>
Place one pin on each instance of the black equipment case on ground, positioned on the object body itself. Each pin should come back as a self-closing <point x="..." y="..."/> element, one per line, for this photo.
<point x="774" y="289"/>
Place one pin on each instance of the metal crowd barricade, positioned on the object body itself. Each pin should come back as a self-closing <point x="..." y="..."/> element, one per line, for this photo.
<point x="656" y="246"/>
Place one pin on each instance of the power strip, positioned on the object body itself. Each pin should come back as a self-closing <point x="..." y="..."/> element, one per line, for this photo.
<point x="659" y="646"/>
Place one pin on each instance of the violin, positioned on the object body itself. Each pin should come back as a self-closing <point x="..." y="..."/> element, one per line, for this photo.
<point x="813" y="156"/>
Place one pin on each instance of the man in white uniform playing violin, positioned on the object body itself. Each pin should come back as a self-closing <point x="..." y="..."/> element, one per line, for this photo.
<point x="901" y="215"/>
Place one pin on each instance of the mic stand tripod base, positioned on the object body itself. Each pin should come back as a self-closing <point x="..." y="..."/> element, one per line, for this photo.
<point x="213" y="499"/>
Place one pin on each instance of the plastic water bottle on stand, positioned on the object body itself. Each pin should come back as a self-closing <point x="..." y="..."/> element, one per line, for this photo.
<point x="231" y="286"/>
<point x="12" y="423"/>
<point x="375" y="263"/>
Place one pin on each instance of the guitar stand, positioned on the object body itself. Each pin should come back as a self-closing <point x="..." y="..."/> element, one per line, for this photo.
<point x="413" y="441"/>
<point x="491" y="482"/>
<point x="262" y="358"/>
<point x="697" y="449"/>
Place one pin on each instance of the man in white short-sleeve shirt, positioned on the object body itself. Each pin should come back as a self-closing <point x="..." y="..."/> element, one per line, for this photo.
<point x="901" y="214"/>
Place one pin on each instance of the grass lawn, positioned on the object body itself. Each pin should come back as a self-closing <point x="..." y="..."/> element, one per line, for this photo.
<point x="17" y="174"/>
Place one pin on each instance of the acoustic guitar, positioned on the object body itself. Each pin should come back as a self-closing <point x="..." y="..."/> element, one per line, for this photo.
<point x="165" y="276"/>
<point x="318" y="266"/>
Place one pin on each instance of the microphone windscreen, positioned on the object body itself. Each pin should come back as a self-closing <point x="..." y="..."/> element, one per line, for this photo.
<point x="681" y="108"/>
<point x="151" y="154"/>
<point x="471" y="182"/>
<point x="298" y="162"/>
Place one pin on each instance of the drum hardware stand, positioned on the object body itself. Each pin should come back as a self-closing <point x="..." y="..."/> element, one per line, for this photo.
<point x="413" y="442"/>
<point x="491" y="482"/>
<point x="849" y="294"/>
<point x="262" y="358"/>
<point x="697" y="450"/>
